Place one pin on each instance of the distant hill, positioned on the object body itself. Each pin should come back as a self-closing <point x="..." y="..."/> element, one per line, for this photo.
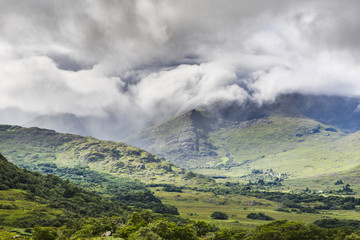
<point x="337" y="111"/>
<point x="64" y="123"/>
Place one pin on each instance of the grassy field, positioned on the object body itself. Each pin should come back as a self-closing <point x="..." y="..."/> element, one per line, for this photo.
<point x="311" y="154"/>
<point x="199" y="206"/>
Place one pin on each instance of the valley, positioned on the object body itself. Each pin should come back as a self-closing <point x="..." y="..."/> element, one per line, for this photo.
<point x="179" y="120"/>
<point x="279" y="167"/>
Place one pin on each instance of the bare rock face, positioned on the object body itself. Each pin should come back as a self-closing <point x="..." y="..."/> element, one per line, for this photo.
<point x="106" y="234"/>
<point x="178" y="139"/>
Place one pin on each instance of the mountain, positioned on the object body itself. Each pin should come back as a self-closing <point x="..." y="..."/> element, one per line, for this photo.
<point x="112" y="169"/>
<point x="337" y="111"/>
<point x="64" y="123"/>
<point x="50" y="152"/>
<point x="199" y="140"/>
<point x="181" y="140"/>
<point x="296" y="136"/>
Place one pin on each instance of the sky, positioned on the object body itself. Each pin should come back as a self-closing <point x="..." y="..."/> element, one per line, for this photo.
<point x="138" y="62"/>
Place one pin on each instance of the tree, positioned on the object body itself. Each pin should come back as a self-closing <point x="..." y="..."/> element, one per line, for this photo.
<point x="219" y="216"/>
<point x="339" y="182"/>
<point x="44" y="233"/>
<point x="260" y="216"/>
<point x="202" y="228"/>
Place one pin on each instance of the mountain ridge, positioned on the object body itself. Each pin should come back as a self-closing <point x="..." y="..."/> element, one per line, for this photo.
<point x="63" y="122"/>
<point x="29" y="147"/>
<point x="204" y="141"/>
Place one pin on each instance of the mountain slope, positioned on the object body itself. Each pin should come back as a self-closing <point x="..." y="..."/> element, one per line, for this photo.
<point x="29" y="198"/>
<point x="180" y="140"/>
<point x="286" y="146"/>
<point x="200" y="140"/>
<point x="342" y="155"/>
<point x="64" y="123"/>
<point x="341" y="112"/>
<point x="31" y="148"/>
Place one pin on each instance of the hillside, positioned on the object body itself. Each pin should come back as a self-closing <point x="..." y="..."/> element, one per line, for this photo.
<point x="200" y="140"/>
<point x="28" y="199"/>
<point x="113" y="169"/>
<point x="286" y="146"/>
<point x="36" y="206"/>
<point x="182" y="140"/>
<point x="64" y="123"/>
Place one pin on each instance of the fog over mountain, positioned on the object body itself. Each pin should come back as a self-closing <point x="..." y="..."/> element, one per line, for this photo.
<point x="123" y="65"/>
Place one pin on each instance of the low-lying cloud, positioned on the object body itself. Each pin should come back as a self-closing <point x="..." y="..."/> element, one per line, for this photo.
<point x="137" y="62"/>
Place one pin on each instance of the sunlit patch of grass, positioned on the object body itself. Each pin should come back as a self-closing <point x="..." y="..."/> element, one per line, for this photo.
<point x="200" y="205"/>
<point x="22" y="209"/>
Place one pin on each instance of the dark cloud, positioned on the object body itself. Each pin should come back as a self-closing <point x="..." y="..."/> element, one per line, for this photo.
<point x="131" y="63"/>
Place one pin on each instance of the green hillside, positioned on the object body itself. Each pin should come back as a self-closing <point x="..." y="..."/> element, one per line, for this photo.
<point x="46" y="151"/>
<point x="199" y="140"/>
<point x="277" y="146"/>
<point x="299" y="148"/>
<point x="112" y="169"/>
<point x="28" y="199"/>
<point x="45" y="207"/>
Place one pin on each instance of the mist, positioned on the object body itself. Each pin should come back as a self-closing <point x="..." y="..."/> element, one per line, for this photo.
<point x="121" y="66"/>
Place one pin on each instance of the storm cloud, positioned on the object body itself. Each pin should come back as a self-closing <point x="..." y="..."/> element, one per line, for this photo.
<point x="137" y="62"/>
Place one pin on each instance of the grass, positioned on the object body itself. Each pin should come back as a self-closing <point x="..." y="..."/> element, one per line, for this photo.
<point x="29" y="147"/>
<point x="300" y="147"/>
<point x="199" y="206"/>
<point x="326" y="182"/>
<point x="310" y="155"/>
<point x="23" y="209"/>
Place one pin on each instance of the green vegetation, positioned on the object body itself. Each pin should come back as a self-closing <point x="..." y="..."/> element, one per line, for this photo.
<point x="46" y="207"/>
<point x="260" y="216"/>
<point x="126" y="190"/>
<point x="139" y="225"/>
<point x="282" y="152"/>
<point x="45" y="151"/>
<point x="146" y="225"/>
<point x="49" y="200"/>
<point x="238" y="201"/>
<point x="108" y="168"/>
<point x="219" y="216"/>
<point x="124" y="179"/>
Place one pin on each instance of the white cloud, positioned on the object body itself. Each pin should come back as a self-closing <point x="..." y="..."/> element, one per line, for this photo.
<point x="144" y="60"/>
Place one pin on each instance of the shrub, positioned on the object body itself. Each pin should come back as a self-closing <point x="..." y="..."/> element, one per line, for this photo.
<point x="42" y="233"/>
<point x="219" y="216"/>
<point x="259" y="216"/>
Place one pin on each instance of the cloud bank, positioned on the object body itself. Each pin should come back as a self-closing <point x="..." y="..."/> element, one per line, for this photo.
<point x="137" y="62"/>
